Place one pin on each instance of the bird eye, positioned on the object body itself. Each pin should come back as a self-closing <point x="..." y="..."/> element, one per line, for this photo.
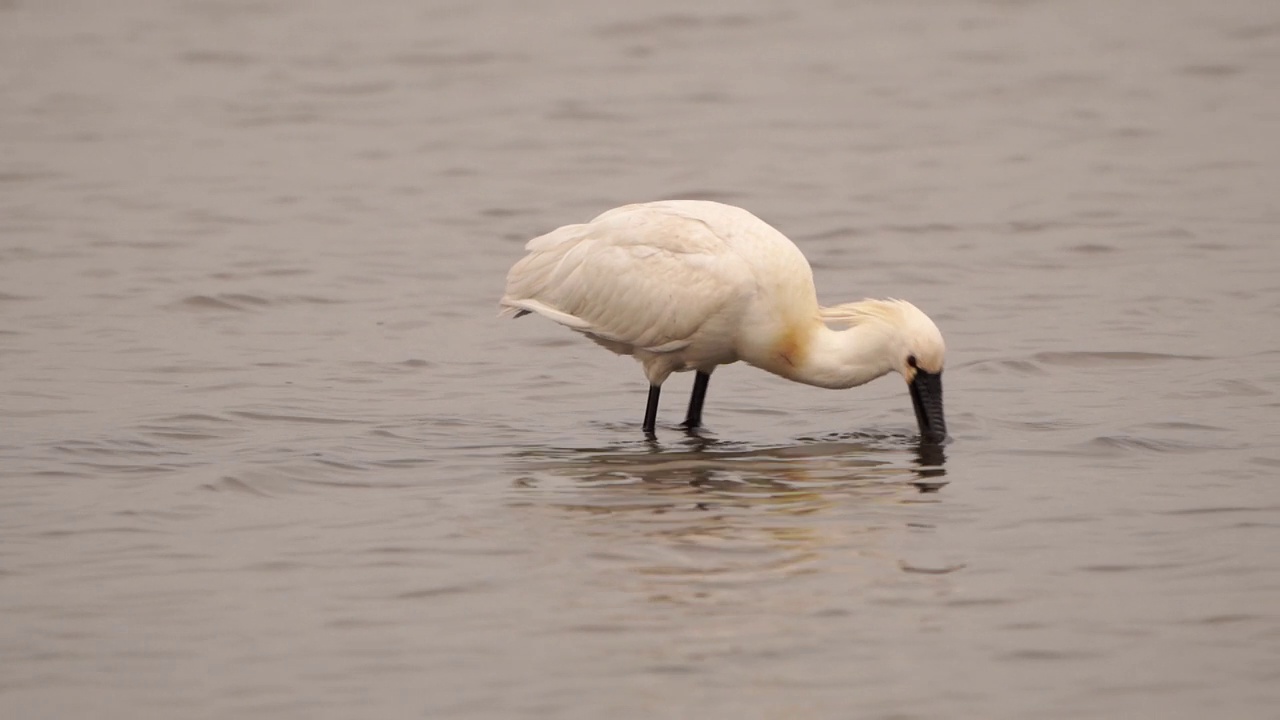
<point x="911" y="360"/>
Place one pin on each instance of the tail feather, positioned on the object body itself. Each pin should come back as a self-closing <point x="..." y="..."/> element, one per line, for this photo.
<point x="510" y="311"/>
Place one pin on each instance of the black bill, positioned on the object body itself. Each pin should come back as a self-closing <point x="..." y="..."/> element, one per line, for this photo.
<point x="926" y="396"/>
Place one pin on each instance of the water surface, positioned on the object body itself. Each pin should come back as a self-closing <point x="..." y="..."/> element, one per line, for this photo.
<point x="267" y="452"/>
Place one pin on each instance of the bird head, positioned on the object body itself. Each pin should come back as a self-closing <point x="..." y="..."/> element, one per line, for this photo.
<point x="915" y="351"/>
<point x="922" y="352"/>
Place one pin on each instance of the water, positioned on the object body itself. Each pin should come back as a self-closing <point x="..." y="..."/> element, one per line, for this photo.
<point x="267" y="452"/>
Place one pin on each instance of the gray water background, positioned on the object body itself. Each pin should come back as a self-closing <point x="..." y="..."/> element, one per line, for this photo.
<point x="265" y="451"/>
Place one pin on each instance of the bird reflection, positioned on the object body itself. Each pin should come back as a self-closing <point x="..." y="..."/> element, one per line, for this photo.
<point x="930" y="457"/>
<point x="726" y="470"/>
<point x="705" y="516"/>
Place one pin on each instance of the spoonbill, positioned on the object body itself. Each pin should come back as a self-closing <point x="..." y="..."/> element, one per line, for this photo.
<point x="691" y="285"/>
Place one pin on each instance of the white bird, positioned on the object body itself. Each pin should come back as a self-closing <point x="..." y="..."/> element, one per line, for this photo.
<point x="691" y="285"/>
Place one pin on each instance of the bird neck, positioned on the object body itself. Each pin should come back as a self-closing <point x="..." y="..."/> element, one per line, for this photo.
<point x="845" y="358"/>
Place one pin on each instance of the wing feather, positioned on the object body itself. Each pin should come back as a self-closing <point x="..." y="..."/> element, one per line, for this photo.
<point x="639" y="277"/>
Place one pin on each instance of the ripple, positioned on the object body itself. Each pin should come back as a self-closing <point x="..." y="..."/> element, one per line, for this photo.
<point x="227" y="483"/>
<point x="1081" y="358"/>
<point x="280" y="417"/>
<point x="1129" y="567"/>
<point x="243" y="302"/>
<point x="1184" y="425"/>
<point x="1092" y="249"/>
<point x="930" y="570"/>
<point x="1056" y="425"/>
<point x="234" y="303"/>
<point x="1229" y="618"/>
<point x="437" y="591"/>
<point x="1042" y="654"/>
<point x="452" y="59"/>
<point x="842" y="233"/>
<point x="1221" y="510"/>
<point x="677" y="22"/>
<point x="349" y="89"/>
<point x="1214" y="71"/>
<point x="271" y="272"/>
<point x="217" y="57"/>
<point x="1132" y="443"/>
<point x="107" y="530"/>
<point x="921" y="228"/>
<point x="1002" y="366"/>
<point x="577" y="110"/>
<point x="191" y="418"/>
<point x="108" y="447"/>
<point x="1256" y="31"/>
<point x="1225" y="388"/>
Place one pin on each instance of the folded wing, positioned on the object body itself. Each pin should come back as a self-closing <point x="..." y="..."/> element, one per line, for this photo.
<point x="637" y="277"/>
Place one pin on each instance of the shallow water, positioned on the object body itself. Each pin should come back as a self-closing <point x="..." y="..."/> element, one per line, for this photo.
<point x="268" y="453"/>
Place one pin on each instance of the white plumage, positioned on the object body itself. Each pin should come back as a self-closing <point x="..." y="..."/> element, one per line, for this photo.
<point x="690" y="285"/>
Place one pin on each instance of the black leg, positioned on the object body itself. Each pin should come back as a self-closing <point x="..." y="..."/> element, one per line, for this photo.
<point x="693" y="418"/>
<point x="651" y="410"/>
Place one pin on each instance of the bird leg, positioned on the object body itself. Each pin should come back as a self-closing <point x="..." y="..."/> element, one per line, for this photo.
<point x="693" y="418"/>
<point x="651" y="410"/>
